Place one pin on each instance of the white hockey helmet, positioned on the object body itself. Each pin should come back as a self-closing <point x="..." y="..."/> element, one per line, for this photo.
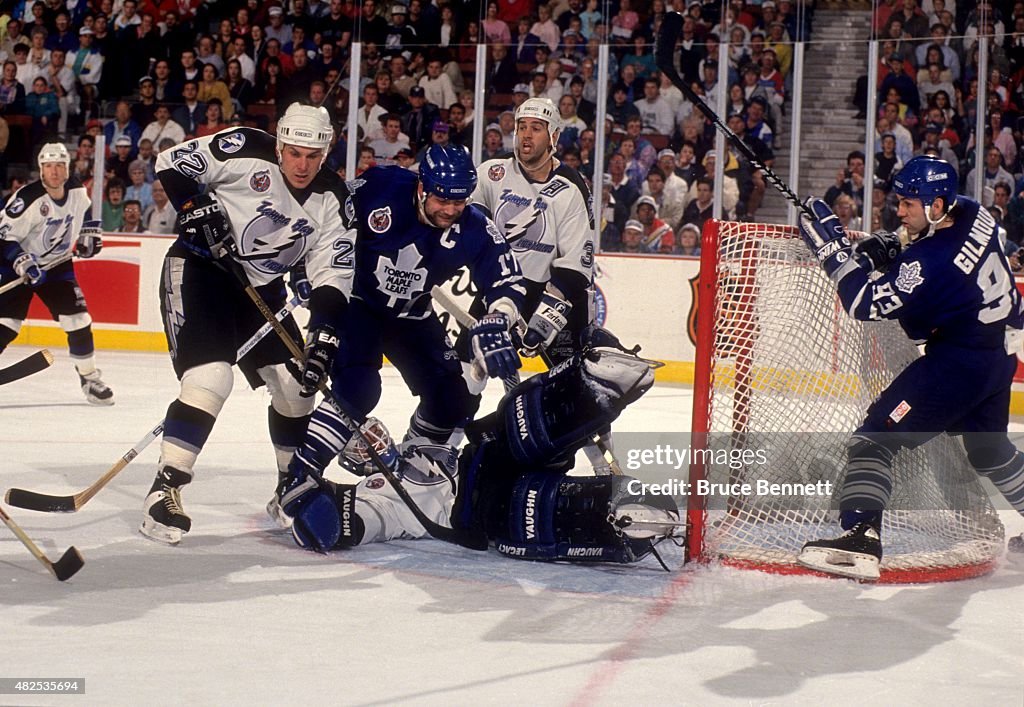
<point x="541" y="109"/>
<point x="305" y="126"/>
<point x="53" y="152"/>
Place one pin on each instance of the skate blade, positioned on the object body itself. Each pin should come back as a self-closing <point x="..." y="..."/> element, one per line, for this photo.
<point x="281" y="519"/>
<point x="855" y="565"/>
<point x="93" y="400"/>
<point x="160" y="532"/>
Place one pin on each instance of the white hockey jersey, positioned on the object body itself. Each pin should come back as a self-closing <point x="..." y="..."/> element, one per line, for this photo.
<point x="274" y="225"/>
<point x="43" y="226"/>
<point x="548" y="225"/>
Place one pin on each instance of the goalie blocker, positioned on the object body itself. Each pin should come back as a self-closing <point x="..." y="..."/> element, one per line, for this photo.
<point x="510" y="481"/>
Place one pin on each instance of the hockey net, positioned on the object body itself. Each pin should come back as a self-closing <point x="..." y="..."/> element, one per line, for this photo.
<point x="783" y="372"/>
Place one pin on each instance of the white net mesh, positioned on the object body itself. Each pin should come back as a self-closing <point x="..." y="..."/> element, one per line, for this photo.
<point x="791" y="375"/>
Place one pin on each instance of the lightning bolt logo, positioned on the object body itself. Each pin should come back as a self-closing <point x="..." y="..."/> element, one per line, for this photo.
<point x="517" y="227"/>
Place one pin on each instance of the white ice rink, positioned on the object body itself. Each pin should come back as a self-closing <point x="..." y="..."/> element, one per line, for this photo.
<point x="238" y="615"/>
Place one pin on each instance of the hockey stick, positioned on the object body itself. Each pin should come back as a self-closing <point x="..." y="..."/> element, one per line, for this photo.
<point x="467" y="320"/>
<point x="46" y="503"/>
<point x="467" y="539"/>
<point x="23" y="279"/>
<point x="33" y="363"/>
<point x="64" y="568"/>
<point x="664" y="58"/>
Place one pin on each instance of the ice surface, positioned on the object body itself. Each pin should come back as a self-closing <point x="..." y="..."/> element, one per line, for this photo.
<point x="238" y="615"/>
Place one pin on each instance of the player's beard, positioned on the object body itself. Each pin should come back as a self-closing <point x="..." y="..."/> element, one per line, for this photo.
<point x="539" y="155"/>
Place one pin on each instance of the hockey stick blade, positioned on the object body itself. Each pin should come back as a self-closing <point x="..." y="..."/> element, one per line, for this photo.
<point x="68" y="564"/>
<point x="664" y="58"/>
<point x="33" y="363"/>
<point x="63" y="569"/>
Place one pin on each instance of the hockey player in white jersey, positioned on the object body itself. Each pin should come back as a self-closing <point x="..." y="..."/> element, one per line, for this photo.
<point x="43" y="225"/>
<point x="544" y="209"/>
<point x="269" y="206"/>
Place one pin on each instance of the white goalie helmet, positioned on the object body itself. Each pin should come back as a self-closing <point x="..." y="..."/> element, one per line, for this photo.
<point x="305" y="126"/>
<point x="53" y="152"/>
<point x="541" y="109"/>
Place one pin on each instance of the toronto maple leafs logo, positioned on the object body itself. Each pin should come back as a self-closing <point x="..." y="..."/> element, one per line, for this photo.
<point x="401" y="278"/>
<point x="909" y="277"/>
<point x="380" y="219"/>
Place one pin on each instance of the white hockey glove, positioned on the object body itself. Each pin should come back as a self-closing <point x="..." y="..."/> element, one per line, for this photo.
<point x="550" y="317"/>
<point x="90" y="240"/>
<point x="321" y="347"/>
<point x="492" y="346"/>
<point x="878" y="250"/>
<point x="27" y="266"/>
<point x="826" y="237"/>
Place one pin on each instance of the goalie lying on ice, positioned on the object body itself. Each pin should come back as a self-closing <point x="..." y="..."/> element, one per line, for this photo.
<point x="510" y="481"/>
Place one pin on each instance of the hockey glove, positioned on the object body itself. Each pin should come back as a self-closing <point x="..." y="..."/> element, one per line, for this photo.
<point x="90" y="240"/>
<point x="321" y="347"/>
<point x="550" y="317"/>
<point x="878" y="250"/>
<point x="27" y="266"/>
<point x="299" y="283"/>
<point x="826" y="237"/>
<point x="203" y="226"/>
<point x="492" y="346"/>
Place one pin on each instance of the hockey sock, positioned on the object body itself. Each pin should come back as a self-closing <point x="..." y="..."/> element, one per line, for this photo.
<point x="326" y="435"/>
<point x="1009" y="479"/>
<point x="286" y="435"/>
<point x="418" y="427"/>
<point x="81" y="348"/>
<point x="186" y="430"/>
<point x="868" y="483"/>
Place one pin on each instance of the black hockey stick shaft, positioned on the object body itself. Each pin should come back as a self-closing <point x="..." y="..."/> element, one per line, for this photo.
<point x="473" y="541"/>
<point x="64" y="568"/>
<point x="33" y="363"/>
<point x="664" y="57"/>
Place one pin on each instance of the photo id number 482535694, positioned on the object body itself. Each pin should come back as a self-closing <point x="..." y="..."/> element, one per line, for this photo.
<point x="42" y="686"/>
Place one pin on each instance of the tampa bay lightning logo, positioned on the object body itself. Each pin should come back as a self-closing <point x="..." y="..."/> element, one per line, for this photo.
<point x="380" y="219"/>
<point x="523" y="222"/>
<point x="232" y="142"/>
<point x="260" y="181"/>
<point x="272" y="242"/>
<point x="16" y="206"/>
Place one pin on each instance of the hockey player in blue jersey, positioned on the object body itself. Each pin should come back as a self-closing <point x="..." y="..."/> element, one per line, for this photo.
<point x="413" y="232"/>
<point x="952" y="290"/>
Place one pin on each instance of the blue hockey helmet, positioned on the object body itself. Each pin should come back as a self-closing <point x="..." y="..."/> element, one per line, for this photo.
<point x="927" y="178"/>
<point x="447" y="172"/>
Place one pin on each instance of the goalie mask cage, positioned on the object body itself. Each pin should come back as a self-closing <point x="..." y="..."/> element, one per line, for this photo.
<point x="781" y="368"/>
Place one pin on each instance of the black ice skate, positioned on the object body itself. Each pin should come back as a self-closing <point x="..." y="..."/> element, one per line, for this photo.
<point x="855" y="554"/>
<point x="163" y="519"/>
<point x="96" y="391"/>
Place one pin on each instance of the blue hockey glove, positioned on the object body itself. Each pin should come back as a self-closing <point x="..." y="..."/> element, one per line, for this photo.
<point x="298" y="488"/>
<point x="321" y="347"/>
<point x="878" y="250"/>
<point x="300" y="284"/>
<point x="492" y="346"/>
<point x="203" y="226"/>
<point x="550" y="317"/>
<point x="826" y="237"/>
<point x="90" y="240"/>
<point x="27" y="266"/>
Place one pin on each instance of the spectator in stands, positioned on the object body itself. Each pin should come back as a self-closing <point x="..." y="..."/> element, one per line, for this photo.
<point x="392" y="140"/>
<point x="572" y="124"/>
<point x="701" y="205"/>
<point x="620" y="109"/>
<point x="688" y="166"/>
<point x="401" y="80"/>
<point x="82" y="166"/>
<point x="622" y="187"/>
<point x="162" y="126"/>
<point x="192" y="111"/>
<point x="460" y="132"/>
<point x="849" y="180"/>
<point x="190" y="69"/>
<point x="846" y="210"/>
<point x="1001" y="200"/>
<point x="586" y="110"/>
<point x="526" y="43"/>
<point x="144" y="109"/>
<point x="1014" y="221"/>
<point x="215" y="121"/>
<point x="12" y="92"/>
<point x="440" y="134"/>
<point x="207" y="56"/>
<point x="113" y="204"/>
<point x="632" y="238"/>
<point x="117" y="164"/>
<point x="138" y="188"/>
<point x="399" y="36"/>
<point x="887" y="163"/>
<point x="750" y="179"/>
<point x="1002" y="136"/>
<point x="241" y="90"/>
<point x="669" y="206"/>
<point x="277" y="29"/>
<point x="940" y="41"/>
<point x="272" y="83"/>
<point x="689" y="240"/>
<point x="931" y="83"/>
<point x="655" y="113"/>
<point x="42" y="105"/>
<point x="545" y="27"/>
<point x="903" y="83"/>
<point x="992" y="173"/>
<point x="425" y="19"/>
<point x="496" y="30"/>
<point x="12" y="37"/>
<point x="87" y="67"/>
<point x="131" y="217"/>
<point x="904" y="140"/>
<point x="436" y="85"/>
<point x="211" y="87"/>
<point x="658" y="236"/>
<point x="418" y="121"/>
<point x="370" y="113"/>
<point x="493" y="147"/>
<point x="647" y="155"/>
<point x="147" y="156"/>
<point x="502" y="74"/>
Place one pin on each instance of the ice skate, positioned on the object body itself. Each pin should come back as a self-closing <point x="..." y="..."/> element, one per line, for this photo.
<point x="163" y="519"/>
<point x="96" y="391"/>
<point x="855" y="554"/>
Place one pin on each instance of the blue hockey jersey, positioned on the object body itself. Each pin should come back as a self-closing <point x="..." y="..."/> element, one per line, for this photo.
<point x="399" y="258"/>
<point x="954" y="286"/>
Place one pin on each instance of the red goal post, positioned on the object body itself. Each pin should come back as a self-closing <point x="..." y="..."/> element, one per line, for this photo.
<point x="783" y="371"/>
